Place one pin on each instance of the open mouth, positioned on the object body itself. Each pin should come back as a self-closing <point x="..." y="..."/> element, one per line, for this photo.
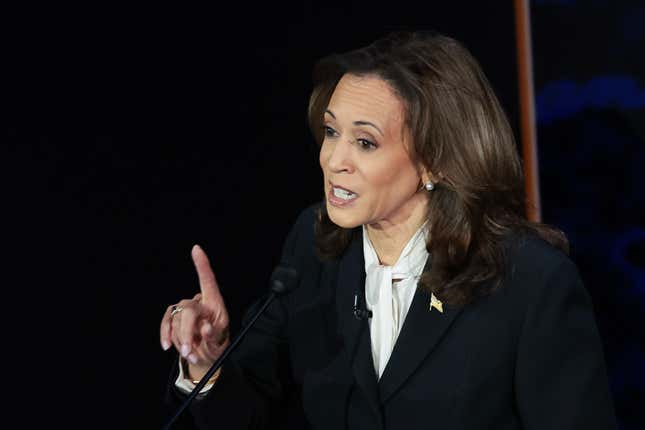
<point x="340" y="196"/>
<point x="343" y="194"/>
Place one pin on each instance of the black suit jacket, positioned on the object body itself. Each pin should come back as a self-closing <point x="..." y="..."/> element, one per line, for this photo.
<point x="526" y="357"/>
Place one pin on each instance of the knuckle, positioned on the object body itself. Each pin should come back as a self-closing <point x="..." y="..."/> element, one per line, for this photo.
<point x="217" y="328"/>
<point x="221" y="324"/>
<point x="188" y="331"/>
<point x="185" y="302"/>
<point x="189" y="317"/>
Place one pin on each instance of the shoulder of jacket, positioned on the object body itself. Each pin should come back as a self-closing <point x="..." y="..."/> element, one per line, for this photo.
<point x="300" y="242"/>
<point x="305" y="222"/>
<point x="534" y="251"/>
<point x="308" y="215"/>
<point x="532" y="261"/>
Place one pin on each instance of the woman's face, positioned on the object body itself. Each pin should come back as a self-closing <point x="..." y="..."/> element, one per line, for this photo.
<point x="368" y="174"/>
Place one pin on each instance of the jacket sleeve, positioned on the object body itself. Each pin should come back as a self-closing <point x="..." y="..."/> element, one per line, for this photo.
<point x="251" y="387"/>
<point x="560" y="376"/>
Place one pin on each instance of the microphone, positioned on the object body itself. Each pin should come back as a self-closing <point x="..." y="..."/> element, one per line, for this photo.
<point x="360" y="313"/>
<point x="283" y="280"/>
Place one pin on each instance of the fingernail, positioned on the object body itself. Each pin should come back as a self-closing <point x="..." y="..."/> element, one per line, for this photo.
<point x="165" y="345"/>
<point x="209" y="328"/>
<point x="192" y="358"/>
<point x="185" y="349"/>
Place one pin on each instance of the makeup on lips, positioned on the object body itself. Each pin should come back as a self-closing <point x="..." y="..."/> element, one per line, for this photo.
<point x="339" y="196"/>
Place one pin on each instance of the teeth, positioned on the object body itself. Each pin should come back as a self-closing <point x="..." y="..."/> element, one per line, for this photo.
<point x="346" y="195"/>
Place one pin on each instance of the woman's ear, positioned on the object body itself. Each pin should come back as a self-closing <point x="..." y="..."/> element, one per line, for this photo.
<point x="427" y="176"/>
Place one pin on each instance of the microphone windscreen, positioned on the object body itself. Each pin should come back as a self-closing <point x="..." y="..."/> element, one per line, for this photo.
<point x="284" y="279"/>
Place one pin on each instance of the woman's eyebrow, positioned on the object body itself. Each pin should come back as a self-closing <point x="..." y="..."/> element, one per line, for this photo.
<point x="357" y="122"/>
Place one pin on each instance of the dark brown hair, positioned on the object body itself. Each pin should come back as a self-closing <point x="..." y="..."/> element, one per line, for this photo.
<point x="461" y="134"/>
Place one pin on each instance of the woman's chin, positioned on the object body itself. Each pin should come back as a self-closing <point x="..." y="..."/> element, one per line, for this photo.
<point x="342" y="217"/>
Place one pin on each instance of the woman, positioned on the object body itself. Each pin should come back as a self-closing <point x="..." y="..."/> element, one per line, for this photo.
<point x="471" y="316"/>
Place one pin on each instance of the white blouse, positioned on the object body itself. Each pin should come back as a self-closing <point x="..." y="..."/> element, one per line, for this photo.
<point x="390" y="301"/>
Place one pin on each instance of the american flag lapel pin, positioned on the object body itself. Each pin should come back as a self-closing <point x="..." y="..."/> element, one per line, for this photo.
<point x="436" y="303"/>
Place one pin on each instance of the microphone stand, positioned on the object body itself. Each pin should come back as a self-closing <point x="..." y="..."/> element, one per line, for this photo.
<point x="282" y="280"/>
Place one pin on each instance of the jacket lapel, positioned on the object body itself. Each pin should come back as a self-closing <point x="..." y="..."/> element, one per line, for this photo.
<point x="421" y="331"/>
<point x="355" y="332"/>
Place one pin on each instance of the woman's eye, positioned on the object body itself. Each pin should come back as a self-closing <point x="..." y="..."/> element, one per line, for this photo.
<point x="363" y="144"/>
<point x="366" y="144"/>
<point x="329" y="132"/>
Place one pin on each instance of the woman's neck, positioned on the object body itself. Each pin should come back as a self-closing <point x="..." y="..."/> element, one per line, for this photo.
<point x="389" y="236"/>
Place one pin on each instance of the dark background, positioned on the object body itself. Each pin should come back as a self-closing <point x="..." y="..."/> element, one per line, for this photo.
<point x="590" y="92"/>
<point x="134" y="133"/>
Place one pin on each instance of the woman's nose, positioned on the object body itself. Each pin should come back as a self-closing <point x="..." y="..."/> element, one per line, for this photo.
<point x="340" y="157"/>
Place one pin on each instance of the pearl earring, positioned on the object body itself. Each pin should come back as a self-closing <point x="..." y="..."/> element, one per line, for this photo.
<point x="429" y="186"/>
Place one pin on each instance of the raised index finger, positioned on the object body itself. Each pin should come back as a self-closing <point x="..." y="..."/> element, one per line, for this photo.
<point x="207" y="282"/>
